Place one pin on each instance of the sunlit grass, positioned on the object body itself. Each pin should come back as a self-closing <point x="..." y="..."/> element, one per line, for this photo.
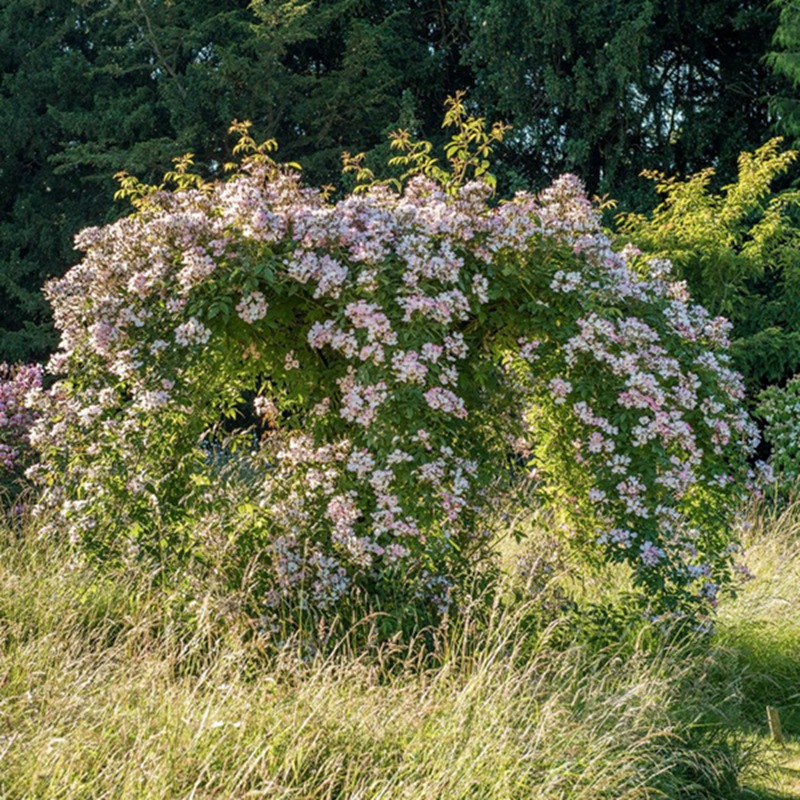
<point x="114" y="687"/>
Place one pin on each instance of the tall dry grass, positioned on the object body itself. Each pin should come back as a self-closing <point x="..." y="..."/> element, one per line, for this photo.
<point x="112" y="686"/>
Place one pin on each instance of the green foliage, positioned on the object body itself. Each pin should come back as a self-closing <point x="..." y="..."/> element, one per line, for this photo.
<point x="468" y="150"/>
<point x="607" y="89"/>
<point x="467" y="153"/>
<point x="738" y="249"/>
<point x="779" y="408"/>
<point x="394" y="346"/>
<point x="103" y="674"/>
<point x="784" y="61"/>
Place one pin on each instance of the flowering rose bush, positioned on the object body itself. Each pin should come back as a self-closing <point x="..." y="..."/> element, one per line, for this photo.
<point x="15" y="422"/>
<point x="394" y="344"/>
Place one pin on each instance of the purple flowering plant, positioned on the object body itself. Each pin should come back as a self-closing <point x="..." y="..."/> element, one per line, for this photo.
<point x="395" y="343"/>
<point x="16" y="419"/>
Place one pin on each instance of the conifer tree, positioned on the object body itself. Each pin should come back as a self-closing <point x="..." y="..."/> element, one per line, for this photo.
<point x="607" y="89"/>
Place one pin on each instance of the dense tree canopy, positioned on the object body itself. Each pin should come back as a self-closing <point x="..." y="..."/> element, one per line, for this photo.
<point x="88" y="89"/>
<point x="610" y="88"/>
<point x="784" y="60"/>
<point x="599" y="88"/>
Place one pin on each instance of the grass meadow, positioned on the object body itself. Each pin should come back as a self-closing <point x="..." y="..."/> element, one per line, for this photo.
<point x="114" y="685"/>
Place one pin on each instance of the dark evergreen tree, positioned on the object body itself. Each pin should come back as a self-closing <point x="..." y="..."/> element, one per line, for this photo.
<point x="93" y="87"/>
<point x="601" y="88"/>
<point x="88" y="89"/>
<point x="355" y="71"/>
<point x="607" y="88"/>
<point x="784" y="61"/>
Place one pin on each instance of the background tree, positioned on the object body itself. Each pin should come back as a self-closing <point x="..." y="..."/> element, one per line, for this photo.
<point x="88" y="89"/>
<point x="598" y="88"/>
<point x="355" y="71"/>
<point x="94" y="87"/>
<point x="784" y="61"/>
<point x="607" y="89"/>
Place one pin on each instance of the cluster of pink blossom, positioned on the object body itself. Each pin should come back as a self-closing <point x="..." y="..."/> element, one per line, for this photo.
<point x="444" y="400"/>
<point x="360" y="402"/>
<point x="410" y="336"/>
<point x="191" y="332"/>
<point x="253" y="307"/>
<point x="408" y="367"/>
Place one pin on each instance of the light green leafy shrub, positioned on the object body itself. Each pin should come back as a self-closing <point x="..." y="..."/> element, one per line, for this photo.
<point x="738" y="249"/>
